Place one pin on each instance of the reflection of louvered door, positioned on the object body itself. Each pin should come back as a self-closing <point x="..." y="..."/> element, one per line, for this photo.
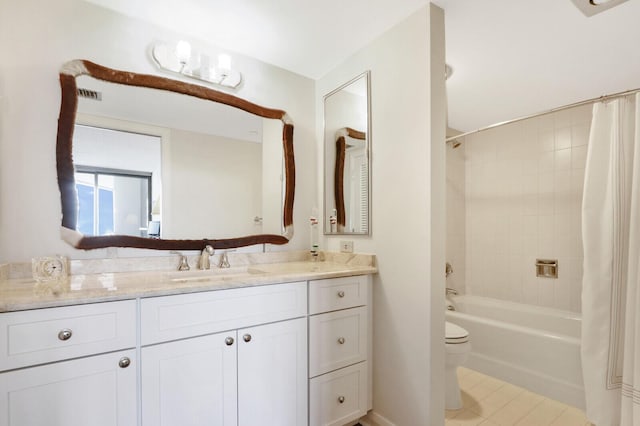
<point x="364" y="197"/>
<point x="357" y="193"/>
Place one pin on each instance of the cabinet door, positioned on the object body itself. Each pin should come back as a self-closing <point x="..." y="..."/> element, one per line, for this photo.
<point x="190" y="382"/>
<point x="94" y="391"/>
<point x="272" y="374"/>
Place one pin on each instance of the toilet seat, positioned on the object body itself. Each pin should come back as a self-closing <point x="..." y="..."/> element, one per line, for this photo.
<point x="454" y="334"/>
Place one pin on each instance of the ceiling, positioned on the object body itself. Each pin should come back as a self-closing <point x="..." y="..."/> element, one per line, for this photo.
<point x="308" y="38"/>
<point x="510" y="57"/>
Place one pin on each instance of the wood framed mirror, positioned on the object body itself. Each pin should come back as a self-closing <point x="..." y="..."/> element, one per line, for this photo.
<point x="152" y="236"/>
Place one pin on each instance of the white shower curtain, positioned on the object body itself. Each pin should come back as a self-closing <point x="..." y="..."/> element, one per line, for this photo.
<point x="611" y="281"/>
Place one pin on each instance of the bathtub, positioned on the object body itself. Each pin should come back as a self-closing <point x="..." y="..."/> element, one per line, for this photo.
<point x="532" y="347"/>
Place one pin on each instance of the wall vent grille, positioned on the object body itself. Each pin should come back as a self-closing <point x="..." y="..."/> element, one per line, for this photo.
<point x="89" y="94"/>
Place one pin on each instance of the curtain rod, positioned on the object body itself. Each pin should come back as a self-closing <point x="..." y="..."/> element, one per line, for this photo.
<point x="551" y="111"/>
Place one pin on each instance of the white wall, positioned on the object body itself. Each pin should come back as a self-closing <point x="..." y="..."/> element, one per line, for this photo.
<point x="523" y="199"/>
<point x="408" y="326"/>
<point x="129" y="192"/>
<point x="272" y="178"/>
<point x="39" y="37"/>
<point x="215" y="186"/>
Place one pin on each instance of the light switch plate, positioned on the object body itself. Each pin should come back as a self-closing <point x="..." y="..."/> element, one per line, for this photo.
<point x="346" y="246"/>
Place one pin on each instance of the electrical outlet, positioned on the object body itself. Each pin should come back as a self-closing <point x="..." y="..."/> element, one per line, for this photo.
<point x="346" y="246"/>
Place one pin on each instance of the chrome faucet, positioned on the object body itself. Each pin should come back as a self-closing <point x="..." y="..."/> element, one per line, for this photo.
<point x="451" y="291"/>
<point x="205" y="262"/>
<point x="224" y="260"/>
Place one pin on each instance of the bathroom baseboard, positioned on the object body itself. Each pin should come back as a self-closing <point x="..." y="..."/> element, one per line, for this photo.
<point x="375" y="419"/>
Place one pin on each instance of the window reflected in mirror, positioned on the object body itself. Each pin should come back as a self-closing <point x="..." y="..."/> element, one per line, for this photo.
<point x="112" y="202"/>
<point x="118" y="181"/>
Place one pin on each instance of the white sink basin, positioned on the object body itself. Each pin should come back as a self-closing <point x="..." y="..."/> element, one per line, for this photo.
<point x="212" y="274"/>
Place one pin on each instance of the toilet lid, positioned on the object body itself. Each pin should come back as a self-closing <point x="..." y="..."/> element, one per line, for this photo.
<point x="455" y="334"/>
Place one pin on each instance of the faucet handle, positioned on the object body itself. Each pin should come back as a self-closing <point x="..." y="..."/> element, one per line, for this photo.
<point x="184" y="264"/>
<point x="224" y="260"/>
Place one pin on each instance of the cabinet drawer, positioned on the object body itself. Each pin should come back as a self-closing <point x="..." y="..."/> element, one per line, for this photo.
<point x="45" y="335"/>
<point x="177" y="317"/>
<point x="337" y="293"/>
<point x="339" y="397"/>
<point x="337" y="339"/>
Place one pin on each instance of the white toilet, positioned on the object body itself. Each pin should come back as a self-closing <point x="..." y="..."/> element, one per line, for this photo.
<point x="457" y="348"/>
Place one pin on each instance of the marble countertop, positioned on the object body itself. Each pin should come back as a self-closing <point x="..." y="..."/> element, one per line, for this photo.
<point x="18" y="294"/>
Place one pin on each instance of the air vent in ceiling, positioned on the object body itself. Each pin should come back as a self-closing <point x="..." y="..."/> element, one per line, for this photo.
<point x="89" y="94"/>
<point x="591" y="7"/>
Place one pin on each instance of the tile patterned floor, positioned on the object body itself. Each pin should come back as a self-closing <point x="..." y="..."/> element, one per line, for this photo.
<point x="488" y="401"/>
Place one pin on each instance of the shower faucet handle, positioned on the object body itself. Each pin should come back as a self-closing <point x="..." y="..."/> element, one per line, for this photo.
<point x="448" y="270"/>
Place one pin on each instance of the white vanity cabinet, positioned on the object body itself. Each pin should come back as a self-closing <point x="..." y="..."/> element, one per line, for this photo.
<point x="284" y="354"/>
<point x="339" y="350"/>
<point x="228" y="367"/>
<point x="69" y="366"/>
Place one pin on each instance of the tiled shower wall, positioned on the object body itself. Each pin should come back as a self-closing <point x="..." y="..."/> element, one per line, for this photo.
<point x="456" y="216"/>
<point x="523" y="194"/>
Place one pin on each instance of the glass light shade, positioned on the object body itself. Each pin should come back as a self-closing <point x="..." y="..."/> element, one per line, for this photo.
<point x="224" y="62"/>
<point x="183" y="51"/>
<point x="181" y="59"/>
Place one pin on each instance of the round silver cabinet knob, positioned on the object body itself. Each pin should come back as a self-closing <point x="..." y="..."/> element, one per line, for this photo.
<point x="341" y="293"/>
<point x="341" y="340"/>
<point x="246" y="337"/>
<point x="65" y="334"/>
<point x="229" y="341"/>
<point x="341" y="399"/>
<point x="124" y="362"/>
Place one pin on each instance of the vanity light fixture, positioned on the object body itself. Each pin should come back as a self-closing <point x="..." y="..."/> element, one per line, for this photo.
<point x="591" y="7"/>
<point x="180" y="58"/>
<point x="183" y="53"/>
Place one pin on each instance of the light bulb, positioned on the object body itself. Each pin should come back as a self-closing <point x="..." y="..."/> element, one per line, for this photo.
<point x="224" y="62"/>
<point x="183" y="51"/>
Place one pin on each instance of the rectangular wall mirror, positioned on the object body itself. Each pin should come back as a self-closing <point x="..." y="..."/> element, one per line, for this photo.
<point x="347" y="165"/>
